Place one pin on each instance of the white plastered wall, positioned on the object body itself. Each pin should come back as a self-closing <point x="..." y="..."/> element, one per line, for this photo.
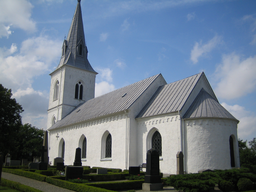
<point x="169" y="128"/>
<point x="93" y="131"/>
<point x="207" y="144"/>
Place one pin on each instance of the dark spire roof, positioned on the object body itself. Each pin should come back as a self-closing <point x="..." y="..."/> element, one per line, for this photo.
<point x="74" y="49"/>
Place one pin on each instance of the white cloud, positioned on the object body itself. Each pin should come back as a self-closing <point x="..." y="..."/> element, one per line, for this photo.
<point x="119" y="63"/>
<point x="105" y="74"/>
<point x="36" y="55"/>
<point x="125" y="25"/>
<point x="246" y="126"/>
<point x="103" y="36"/>
<point x="15" y="13"/>
<point x="200" y="49"/>
<point x="253" y="26"/>
<point x="236" y="77"/>
<point x="103" y="87"/>
<point x="191" y="16"/>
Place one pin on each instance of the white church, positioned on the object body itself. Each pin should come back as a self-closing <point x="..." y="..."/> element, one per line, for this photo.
<point x="117" y="129"/>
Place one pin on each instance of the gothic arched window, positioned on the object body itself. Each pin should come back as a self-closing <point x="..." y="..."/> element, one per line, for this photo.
<point x="62" y="148"/>
<point x="79" y="91"/>
<point x="232" y="153"/>
<point x="53" y="120"/>
<point x="56" y="91"/>
<point x="108" y="151"/>
<point x="84" y="145"/>
<point x="80" y="52"/>
<point x="157" y="142"/>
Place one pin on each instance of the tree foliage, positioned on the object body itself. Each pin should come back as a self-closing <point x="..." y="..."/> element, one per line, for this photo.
<point x="10" y="120"/>
<point x="247" y="152"/>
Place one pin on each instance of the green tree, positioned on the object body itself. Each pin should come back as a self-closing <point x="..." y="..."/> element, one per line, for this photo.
<point x="29" y="141"/>
<point x="247" y="154"/>
<point x="10" y="121"/>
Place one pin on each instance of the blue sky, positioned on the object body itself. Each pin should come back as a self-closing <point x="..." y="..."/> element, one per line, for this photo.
<point x="132" y="40"/>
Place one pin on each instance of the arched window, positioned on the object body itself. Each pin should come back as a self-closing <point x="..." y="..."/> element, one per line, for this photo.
<point x="157" y="142"/>
<point x="84" y="145"/>
<point x="56" y="91"/>
<point x="53" y="120"/>
<point x="79" y="91"/>
<point x="64" y="47"/>
<point x="62" y="148"/>
<point x="108" y="146"/>
<point x="232" y="152"/>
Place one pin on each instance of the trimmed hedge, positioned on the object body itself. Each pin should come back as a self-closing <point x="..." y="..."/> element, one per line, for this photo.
<point x="23" y="173"/>
<point x="106" y="177"/>
<point x="117" y="185"/>
<point x="244" y="184"/>
<point x="226" y="186"/>
<point x="18" y="186"/>
<point x="74" y="186"/>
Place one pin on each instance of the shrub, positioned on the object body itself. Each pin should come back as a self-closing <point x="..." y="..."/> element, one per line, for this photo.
<point x="135" y="177"/>
<point x="226" y="186"/>
<point x="78" y="180"/>
<point x="74" y="186"/>
<point x="105" y="177"/>
<point x="118" y="186"/>
<point x="46" y="172"/>
<point x="18" y="186"/>
<point x="23" y="173"/>
<point x="244" y="184"/>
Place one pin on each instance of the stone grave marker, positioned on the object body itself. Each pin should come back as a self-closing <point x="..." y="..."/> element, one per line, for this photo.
<point x="1" y="165"/>
<point x="78" y="161"/>
<point x="134" y="170"/>
<point x="180" y="167"/>
<point x="152" y="177"/>
<point x="7" y="159"/>
<point x="102" y="171"/>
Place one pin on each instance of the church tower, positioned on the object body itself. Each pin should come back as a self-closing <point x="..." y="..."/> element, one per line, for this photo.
<point x="73" y="81"/>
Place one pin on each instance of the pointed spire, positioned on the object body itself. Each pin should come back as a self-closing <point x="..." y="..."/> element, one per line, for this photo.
<point x="74" y="49"/>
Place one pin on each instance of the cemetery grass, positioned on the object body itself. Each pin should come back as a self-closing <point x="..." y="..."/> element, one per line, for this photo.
<point x="7" y="189"/>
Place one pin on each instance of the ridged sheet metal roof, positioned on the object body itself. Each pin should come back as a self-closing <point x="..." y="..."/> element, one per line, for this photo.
<point x="115" y="101"/>
<point x="205" y="106"/>
<point x="170" y="98"/>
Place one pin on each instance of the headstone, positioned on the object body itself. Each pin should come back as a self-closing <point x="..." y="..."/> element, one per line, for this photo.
<point x="180" y="167"/>
<point x="102" y="171"/>
<point x="60" y="166"/>
<point x="73" y="172"/>
<point x="15" y="163"/>
<point x="1" y="165"/>
<point x="57" y="160"/>
<point x="7" y="159"/>
<point x="152" y="177"/>
<point x="134" y="170"/>
<point x="78" y="161"/>
<point x="45" y="144"/>
<point x="24" y="162"/>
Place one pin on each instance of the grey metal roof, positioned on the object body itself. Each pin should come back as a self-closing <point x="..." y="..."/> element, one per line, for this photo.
<point x="74" y="39"/>
<point x="205" y="106"/>
<point x="170" y="98"/>
<point x="115" y="101"/>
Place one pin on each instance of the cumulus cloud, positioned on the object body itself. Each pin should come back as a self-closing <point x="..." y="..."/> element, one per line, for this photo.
<point x="236" y="76"/>
<point x="201" y="49"/>
<point x="16" y="14"/>
<point x="36" y="55"/>
<point x="191" y="16"/>
<point x="103" y="87"/>
<point x="103" y="36"/>
<point x="105" y="74"/>
<point x="125" y="25"/>
<point x="246" y="126"/>
<point x="119" y="63"/>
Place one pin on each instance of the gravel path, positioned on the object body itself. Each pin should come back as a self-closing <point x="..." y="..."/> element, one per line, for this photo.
<point x="43" y="186"/>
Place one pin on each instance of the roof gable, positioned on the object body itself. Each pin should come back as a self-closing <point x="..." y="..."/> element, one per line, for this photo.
<point x="205" y="106"/>
<point x="171" y="97"/>
<point x="113" y="102"/>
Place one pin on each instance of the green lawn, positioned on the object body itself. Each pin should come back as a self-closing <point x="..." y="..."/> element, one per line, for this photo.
<point x="7" y="189"/>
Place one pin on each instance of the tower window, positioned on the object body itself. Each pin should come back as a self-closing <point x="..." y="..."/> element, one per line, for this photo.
<point x="56" y="91"/>
<point x="80" y="49"/>
<point x="79" y="91"/>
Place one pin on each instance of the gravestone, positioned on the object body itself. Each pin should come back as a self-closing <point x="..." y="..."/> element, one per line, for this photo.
<point x="180" y="167"/>
<point x="44" y="153"/>
<point x="78" y="161"/>
<point x="15" y="163"/>
<point x="73" y="172"/>
<point x="1" y="165"/>
<point x="24" y="162"/>
<point x="102" y="171"/>
<point x="134" y="170"/>
<point x="152" y="177"/>
<point x="57" y="160"/>
<point x="7" y="159"/>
